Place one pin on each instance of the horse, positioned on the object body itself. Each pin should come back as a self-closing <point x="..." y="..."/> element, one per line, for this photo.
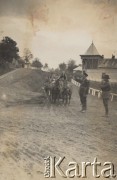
<point x="47" y="89"/>
<point x="58" y="90"/>
<point x="66" y="95"/>
<point x="64" y="91"/>
<point x="55" y="92"/>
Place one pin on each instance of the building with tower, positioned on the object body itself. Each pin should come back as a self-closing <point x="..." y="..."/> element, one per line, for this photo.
<point x="91" y="59"/>
<point x="95" y="64"/>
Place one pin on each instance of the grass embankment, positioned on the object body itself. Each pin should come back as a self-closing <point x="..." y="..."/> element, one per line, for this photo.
<point x="21" y="84"/>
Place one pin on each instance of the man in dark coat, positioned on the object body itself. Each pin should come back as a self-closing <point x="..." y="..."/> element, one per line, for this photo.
<point x="63" y="76"/>
<point x="83" y="90"/>
<point x="106" y="87"/>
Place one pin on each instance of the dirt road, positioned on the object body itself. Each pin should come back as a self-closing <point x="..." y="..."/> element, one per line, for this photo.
<point x="31" y="131"/>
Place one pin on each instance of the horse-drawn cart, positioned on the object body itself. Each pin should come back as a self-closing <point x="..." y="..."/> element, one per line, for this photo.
<point x="58" y="91"/>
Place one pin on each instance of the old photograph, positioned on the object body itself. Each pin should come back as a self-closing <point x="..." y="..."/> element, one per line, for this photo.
<point x="58" y="89"/>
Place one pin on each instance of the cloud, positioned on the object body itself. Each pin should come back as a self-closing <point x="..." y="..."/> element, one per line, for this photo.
<point x="60" y="15"/>
<point x="29" y="9"/>
<point x="55" y="28"/>
<point x="18" y="7"/>
<point x="35" y="11"/>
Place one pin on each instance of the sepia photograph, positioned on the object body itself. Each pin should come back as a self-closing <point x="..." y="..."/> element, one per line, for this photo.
<point x="58" y="89"/>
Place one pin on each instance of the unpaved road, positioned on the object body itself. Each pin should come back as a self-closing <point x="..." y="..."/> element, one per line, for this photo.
<point x="30" y="131"/>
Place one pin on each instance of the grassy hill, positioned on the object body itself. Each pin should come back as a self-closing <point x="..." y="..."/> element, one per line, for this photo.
<point x="21" y="84"/>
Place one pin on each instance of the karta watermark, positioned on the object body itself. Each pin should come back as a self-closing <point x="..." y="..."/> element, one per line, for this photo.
<point x="74" y="169"/>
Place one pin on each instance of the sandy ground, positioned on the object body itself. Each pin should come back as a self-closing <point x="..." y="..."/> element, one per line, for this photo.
<point x="31" y="130"/>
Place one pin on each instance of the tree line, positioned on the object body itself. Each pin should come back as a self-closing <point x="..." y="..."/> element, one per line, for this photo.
<point x="9" y="52"/>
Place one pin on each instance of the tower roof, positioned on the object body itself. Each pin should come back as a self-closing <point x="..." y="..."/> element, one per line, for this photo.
<point x="92" y="50"/>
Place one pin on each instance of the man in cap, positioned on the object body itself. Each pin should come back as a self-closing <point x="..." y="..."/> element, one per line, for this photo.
<point x="106" y="87"/>
<point x="83" y="90"/>
<point x="63" y="76"/>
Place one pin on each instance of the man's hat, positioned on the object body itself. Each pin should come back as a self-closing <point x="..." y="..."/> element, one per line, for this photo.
<point x="106" y="76"/>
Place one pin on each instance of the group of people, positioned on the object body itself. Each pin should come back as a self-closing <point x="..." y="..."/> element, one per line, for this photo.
<point x="84" y="89"/>
<point x="54" y="80"/>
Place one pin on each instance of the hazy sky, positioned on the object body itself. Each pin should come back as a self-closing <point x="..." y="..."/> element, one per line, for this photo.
<point x="57" y="30"/>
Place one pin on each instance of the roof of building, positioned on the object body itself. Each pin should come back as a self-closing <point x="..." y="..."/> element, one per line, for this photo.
<point x="79" y="68"/>
<point x="108" y="63"/>
<point x="92" y="50"/>
<point x="45" y="69"/>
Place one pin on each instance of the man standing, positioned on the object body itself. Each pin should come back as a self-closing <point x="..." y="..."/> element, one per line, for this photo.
<point x="63" y="75"/>
<point x="105" y="87"/>
<point x="83" y="91"/>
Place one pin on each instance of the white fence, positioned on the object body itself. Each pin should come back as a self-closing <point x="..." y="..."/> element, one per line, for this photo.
<point x="95" y="92"/>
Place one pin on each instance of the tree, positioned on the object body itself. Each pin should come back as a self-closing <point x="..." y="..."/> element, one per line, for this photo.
<point x="71" y="65"/>
<point x="36" y="63"/>
<point x="21" y="62"/>
<point x="62" y="66"/>
<point x="8" y="50"/>
<point x="27" y="55"/>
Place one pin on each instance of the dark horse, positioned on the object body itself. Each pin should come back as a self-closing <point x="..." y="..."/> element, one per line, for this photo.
<point x="66" y="95"/>
<point x="55" y="92"/>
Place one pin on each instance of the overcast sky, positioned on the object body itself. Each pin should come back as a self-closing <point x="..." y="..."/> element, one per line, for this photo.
<point x="57" y="30"/>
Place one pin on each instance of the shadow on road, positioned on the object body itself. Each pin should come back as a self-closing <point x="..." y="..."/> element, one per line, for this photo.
<point x="41" y="100"/>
